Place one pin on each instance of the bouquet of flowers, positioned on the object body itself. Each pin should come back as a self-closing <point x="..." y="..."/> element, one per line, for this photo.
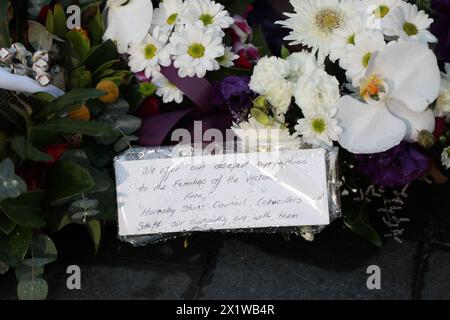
<point x="81" y="81"/>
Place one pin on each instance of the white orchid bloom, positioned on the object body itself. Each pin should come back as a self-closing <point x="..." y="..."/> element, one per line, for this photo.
<point x="128" y="21"/>
<point x="400" y="83"/>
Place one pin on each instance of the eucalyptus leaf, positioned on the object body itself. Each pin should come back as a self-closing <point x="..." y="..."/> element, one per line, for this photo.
<point x="42" y="251"/>
<point x="39" y="37"/>
<point x="12" y="185"/>
<point x="25" y="272"/>
<point x="36" y="289"/>
<point x="6" y="225"/>
<point x="14" y="246"/>
<point x="3" y="267"/>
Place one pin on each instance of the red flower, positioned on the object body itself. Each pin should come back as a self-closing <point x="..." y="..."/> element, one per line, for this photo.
<point x="148" y="107"/>
<point x="55" y="151"/>
<point x="441" y="127"/>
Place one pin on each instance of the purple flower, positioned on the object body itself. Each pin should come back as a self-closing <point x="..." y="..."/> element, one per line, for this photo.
<point x="237" y="95"/>
<point x="441" y="28"/>
<point x="394" y="168"/>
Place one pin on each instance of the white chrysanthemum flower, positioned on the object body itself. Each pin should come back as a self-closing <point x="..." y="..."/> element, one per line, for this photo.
<point x="442" y="108"/>
<point x="301" y="64"/>
<point x="319" y="128"/>
<point x="358" y="56"/>
<point x="167" y="90"/>
<point x="270" y="80"/>
<point x="408" y="23"/>
<point x="316" y="91"/>
<point x="227" y="59"/>
<point x="195" y="49"/>
<point x="150" y="54"/>
<point x="168" y="14"/>
<point x="314" y="22"/>
<point x="344" y="37"/>
<point x="208" y="12"/>
<point x="254" y="135"/>
<point x="445" y="158"/>
<point x="378" y="11"/>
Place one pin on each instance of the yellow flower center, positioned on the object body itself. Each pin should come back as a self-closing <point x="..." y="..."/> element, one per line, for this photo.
<point x="318" y="125"/>
<point x="366" y="59"/>
<point x="327" y="20"/>
<point x="351" y="39"/>
<point x="172" y="18"/>
<point x="381" y="11"/>
<point x="207" y="19"/>
<point x="371" y="88"/>
<point x="196" y="50"/>
<point x="410" y="29"/>
<point x="150" y="51"/>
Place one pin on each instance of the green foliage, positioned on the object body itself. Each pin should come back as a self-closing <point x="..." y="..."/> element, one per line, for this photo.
<point x="356" y="220"/>
<point x="25" y="210"/>
<point x="5" y="40"/>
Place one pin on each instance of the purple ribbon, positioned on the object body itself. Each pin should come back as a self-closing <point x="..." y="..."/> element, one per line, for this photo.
<point x="198" y="90"/>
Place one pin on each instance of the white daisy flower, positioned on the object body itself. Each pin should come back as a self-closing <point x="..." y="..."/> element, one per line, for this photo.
<point x="445" y="158"/>
<point x="270" y="80"/>
<point x="344" y="37"/>
<point x="378" y="11"/>
<point x="319" y="128"/>
<point x="167" y="90"/>
<point x="301" y="64"/>
<point x="195" y="49"/>
<point x="208" y="12"/>
<point x="442" y="108"/>
<point x="150" y="54"/>
<point x="168" y="14"/>
<point x="408" y="23"/>
<point x="316" y="91"/>
<point x="358" y="56"/>
<point x="314" y="22"/>
<point x="254" y="135"/>
<point x="227" y="59"/>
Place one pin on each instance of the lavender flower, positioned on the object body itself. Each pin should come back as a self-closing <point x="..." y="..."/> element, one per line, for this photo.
<point x="237" y="95"/>
<point x="396" y="167"/>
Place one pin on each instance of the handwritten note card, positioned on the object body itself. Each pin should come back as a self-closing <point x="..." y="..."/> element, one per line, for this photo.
<point x="220" y="192"/>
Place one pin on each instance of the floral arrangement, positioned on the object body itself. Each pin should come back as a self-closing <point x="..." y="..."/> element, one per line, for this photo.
<point x="81" y="81"/>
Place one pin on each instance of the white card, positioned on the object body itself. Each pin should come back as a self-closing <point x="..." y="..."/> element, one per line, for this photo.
<point x="220" y="192"/>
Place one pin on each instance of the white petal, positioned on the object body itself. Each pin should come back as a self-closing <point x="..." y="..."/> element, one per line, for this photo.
<point x="128" y="23"/>
<point x="368" y="128"/>
<point x="415" y="121"/>
<point x="412" y="73"/>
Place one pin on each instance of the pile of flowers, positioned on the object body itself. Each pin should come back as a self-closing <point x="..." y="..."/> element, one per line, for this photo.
<point x="370" y="77"/>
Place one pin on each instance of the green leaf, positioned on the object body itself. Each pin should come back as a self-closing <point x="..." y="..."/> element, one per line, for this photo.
<point x="36" y="289"/>
<point x="89" y="128"/>
<point x="101" y="54"/>
<point x="95" y="230"/>
<point x="49" y="24"/>
<point x="67" y="179"/>
<point x="39" y="37"/>
<point x="13" y="247"/>
<point x="96" y="28"/>
<point x="5" y="39"/>
<point x="259" y="40"/>
<point x="25" y="210"/>
<point x="41" y="137"/>
<point x="285" y="52"/>
<point x="42" y="251"/>
<point x="25" y="272"/>
<point x="6" y="225"/>
<point x="81" y="79"/>
<point x="355" y="222"/>
<point x="28" y="152"/>
<point x="79" y="47"/>
<point x="3" y="267"/>
<point x="70" y="101"/>
<point x="59" y="21"/>
<point x="105" y="66"/>
<point x="57" y="219"/>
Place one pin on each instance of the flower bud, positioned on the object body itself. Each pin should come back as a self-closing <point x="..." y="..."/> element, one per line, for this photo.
<point x="261" y="103"/>
<point x="261" y="117"/>
<point x="425" y="139"/>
